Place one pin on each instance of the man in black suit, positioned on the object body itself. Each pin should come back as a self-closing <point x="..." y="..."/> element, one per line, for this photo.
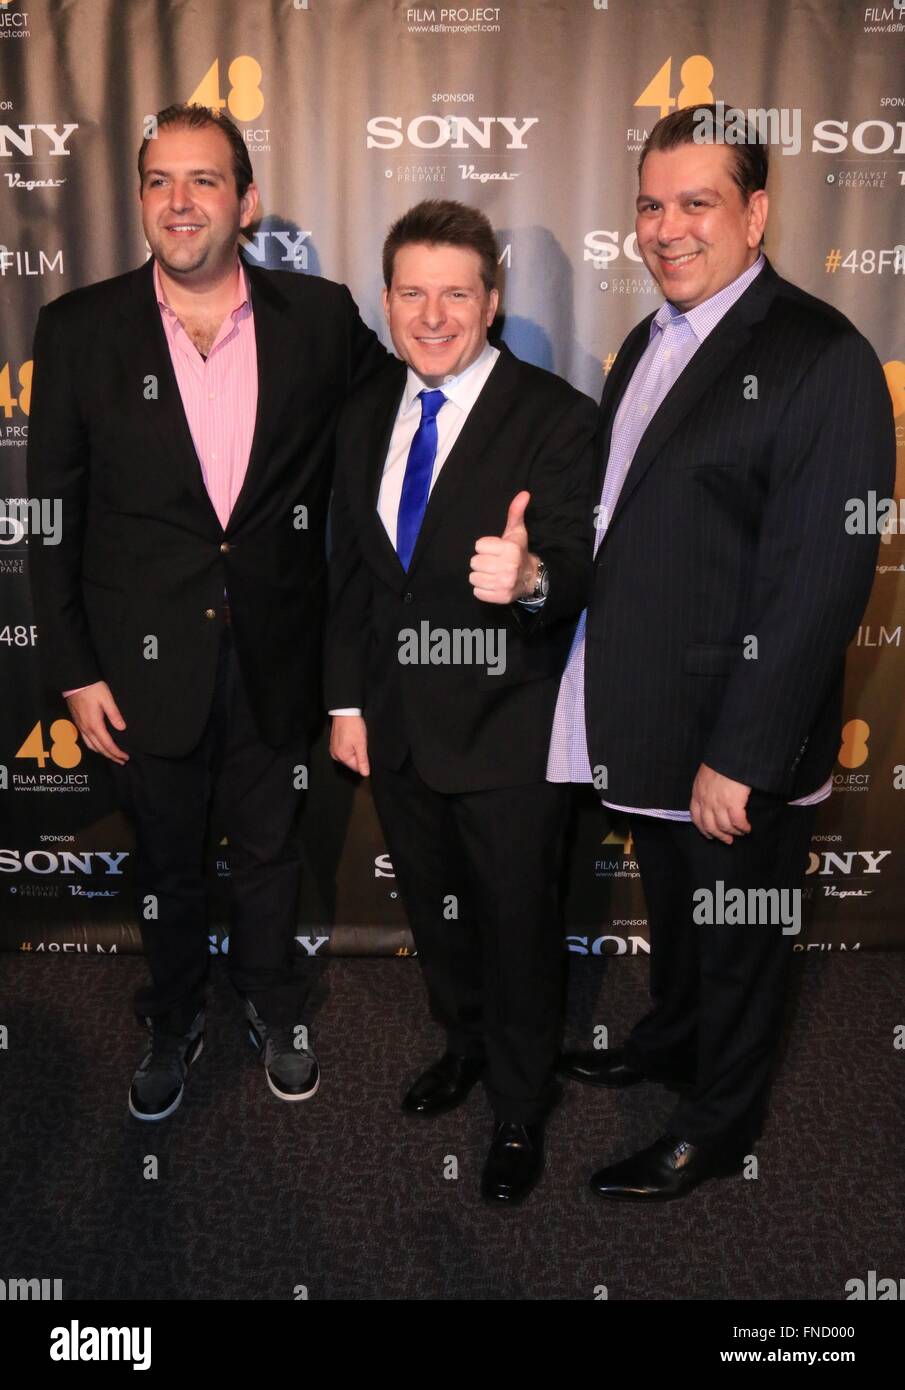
<point x="703" y="692"/>
<point x="184" y="413"/>
<point x="462" y="551"/>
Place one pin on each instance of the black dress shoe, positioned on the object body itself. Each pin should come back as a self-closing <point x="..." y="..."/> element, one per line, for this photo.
<point x="613" y="1069"/>
<point x="670" y="1168"/>
<point x="596" y="1068"/>
<point x="514" y="1163"/>
<point x="444" y="1085"/>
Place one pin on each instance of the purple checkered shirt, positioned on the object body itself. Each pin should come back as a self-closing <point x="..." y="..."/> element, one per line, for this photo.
<point x="674" y="339"/>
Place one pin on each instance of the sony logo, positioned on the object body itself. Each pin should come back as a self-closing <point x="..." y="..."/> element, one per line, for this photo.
<point x="458" y="132"/>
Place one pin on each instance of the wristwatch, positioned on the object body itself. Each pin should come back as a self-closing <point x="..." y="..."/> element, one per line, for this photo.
<point x="541" y="583"/>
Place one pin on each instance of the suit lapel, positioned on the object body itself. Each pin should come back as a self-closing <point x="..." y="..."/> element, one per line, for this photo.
<point x="708" y="364"/>
<point x="379" y="432"/>
<point x="476" y="438"/>
<point x="279" y="349"/>
<point x="618" y="379"/>
<point x="144" y="346"/>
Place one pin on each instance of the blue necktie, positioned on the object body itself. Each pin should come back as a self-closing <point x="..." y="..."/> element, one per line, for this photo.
<point x="418" y="472"/>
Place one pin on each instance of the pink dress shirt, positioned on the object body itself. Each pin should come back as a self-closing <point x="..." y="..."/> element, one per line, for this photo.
<point x="219" y="395"/>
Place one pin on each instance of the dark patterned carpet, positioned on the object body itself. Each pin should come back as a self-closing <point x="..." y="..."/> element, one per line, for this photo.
<point x="347" y="1197"/>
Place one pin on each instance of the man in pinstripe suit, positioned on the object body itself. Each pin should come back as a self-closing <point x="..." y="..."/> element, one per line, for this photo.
<point x="703" y="693"/>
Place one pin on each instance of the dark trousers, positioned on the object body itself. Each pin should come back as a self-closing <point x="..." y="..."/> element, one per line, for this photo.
<point x="478" y="873"/>
<point x="169" y="802"/>
<point x="718" y="990"/>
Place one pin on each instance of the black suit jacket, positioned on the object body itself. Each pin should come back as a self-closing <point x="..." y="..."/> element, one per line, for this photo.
<point x="466" y="728"/>
<point x="731" y="526"/>
<point x="143" y="552"/>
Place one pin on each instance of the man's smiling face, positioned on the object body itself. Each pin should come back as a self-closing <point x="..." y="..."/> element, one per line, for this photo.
<point x="190" y="208"/>
<point x="695" y="230"/>
<point x="438" y="309"/>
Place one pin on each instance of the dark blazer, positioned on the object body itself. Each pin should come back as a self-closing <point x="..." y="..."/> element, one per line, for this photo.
<point x="731" y="525"/>
<point x="467" y="729"/>
<point x="143" y="552"/>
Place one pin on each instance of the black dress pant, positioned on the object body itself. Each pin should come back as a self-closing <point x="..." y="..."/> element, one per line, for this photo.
<point x="478" y="873"/>
<point x="169" y="802"/>
<point x="719" y="989"/>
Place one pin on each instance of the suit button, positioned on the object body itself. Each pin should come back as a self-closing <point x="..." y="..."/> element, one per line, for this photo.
<point x="224" y="549"/>
<point x="408" y="597"/>
<point x="210" y="613"/>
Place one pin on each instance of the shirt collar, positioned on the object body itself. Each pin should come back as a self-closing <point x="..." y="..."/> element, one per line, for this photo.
<point x="458" y="389"/>
<point x="242" y="297"/>
<point x="704" y="317"/>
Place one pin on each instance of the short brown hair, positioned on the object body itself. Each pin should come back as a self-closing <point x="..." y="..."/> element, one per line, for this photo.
<point x="195" y="118"/>
<point x="442" y="222"/>
<point x="750" y="157"/>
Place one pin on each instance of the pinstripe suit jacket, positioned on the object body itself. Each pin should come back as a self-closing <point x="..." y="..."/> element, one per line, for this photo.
<point x="731" y="526"/>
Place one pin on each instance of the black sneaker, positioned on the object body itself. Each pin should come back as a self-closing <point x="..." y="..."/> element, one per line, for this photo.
<point x="159" y="1082"/>
<point x="291" y="1069"/>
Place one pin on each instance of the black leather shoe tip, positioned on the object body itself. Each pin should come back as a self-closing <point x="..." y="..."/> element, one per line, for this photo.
<point x="595" y="1068"/>
<point x="444" y="1085"/>
<point x="514" y="1164"/>
<point x="613" y="1069"/>
<point x="669" y="1168"/>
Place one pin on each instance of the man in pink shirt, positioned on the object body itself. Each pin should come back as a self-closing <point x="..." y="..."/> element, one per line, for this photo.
<point x="184" y="414"/>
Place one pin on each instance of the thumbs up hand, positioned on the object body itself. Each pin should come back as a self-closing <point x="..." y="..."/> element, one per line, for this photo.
<point x="502" y="567"/>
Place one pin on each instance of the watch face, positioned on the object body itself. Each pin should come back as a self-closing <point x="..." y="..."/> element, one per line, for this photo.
<point x="544" y="584"/>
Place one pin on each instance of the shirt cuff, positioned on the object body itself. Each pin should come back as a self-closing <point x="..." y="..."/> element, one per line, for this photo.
<point x="67" y="693"/>
<point x="344" y="711"/>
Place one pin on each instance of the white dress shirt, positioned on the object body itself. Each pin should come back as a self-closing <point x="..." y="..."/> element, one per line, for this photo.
<point x="461" y="392"/>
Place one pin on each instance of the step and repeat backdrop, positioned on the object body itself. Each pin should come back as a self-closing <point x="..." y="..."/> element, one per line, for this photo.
<point x="353" y="110"/>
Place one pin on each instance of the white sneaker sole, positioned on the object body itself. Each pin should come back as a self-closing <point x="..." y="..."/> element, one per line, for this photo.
<point x="304" y="1095"/>
<point x="283" y="1095"/>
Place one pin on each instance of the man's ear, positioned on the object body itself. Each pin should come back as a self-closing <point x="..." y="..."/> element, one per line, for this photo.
<point x="248" y="205"/>
<point x="492" y="305"/>
<point x="758" y="207"/>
